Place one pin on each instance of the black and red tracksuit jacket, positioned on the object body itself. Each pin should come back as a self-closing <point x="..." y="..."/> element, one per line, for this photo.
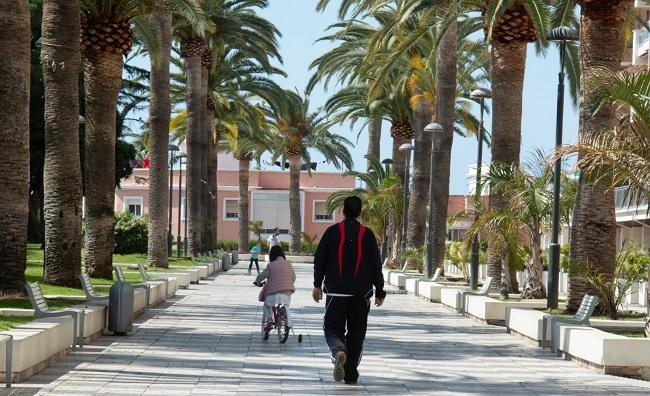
<point x="348" y="260"/>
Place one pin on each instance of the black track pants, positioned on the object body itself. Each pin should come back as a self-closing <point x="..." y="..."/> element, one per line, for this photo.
<point x="351" y="314"/>
<point x="257" y="265"/>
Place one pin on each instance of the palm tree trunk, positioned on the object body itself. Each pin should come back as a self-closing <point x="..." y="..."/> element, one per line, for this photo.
<point x="294" y="203"/>
<point x="399" y="157"/>
<point x="244" y="166"/>
<point x="593" y="232"/>
<point x="374" y="138"/>
<point x="62" y="169"/>
<point x="419" y="199"/>
<point x="212" y="181"/>
<point x="508" y="65"/>
<point x="193" y="140"/>
<point x="102" y="79"/>
<point x="14" y="134"/>
<point x="159" y="115"/>
<point x="534" y="287"/>
<point x="206" y="207"/>
<point x="446" y="70"/>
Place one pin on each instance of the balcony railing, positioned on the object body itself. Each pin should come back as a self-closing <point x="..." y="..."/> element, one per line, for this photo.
<point x="625" y="200"/>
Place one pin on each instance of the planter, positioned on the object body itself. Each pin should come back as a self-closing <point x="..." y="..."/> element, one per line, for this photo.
<point x="608" y="353"/>
<point x="432" y="291"/>
<point x="449" y="296"/>
<point x="493" y="311"/>
<point x="399" y="278"/>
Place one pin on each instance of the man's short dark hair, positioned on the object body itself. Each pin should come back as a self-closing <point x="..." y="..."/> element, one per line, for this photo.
<point x="275" y="252"/>
<point x="352" y="207"/>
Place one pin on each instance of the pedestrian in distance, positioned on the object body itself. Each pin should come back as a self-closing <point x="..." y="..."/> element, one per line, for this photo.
<point x="348" y="262"/>
<point x="255" y="251"/>
<point x="273" y="239"/>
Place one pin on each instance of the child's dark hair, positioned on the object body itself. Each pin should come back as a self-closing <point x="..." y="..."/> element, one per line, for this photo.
<point x="275" y="252"/>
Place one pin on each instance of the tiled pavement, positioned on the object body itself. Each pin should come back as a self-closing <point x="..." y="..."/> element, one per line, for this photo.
<point x="206" y="341"/>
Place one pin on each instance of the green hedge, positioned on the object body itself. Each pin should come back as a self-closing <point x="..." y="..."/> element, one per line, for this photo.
<point x="130" y="233"/>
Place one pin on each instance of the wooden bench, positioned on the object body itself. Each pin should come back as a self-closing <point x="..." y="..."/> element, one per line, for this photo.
<point x="42" y="310"/>
<point x="582" y="317"/>
<point x="147" y="278"/>
<point x="119" y="273"/>
<point x="483" y="291"/>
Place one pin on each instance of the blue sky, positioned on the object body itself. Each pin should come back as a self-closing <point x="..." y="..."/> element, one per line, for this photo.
<point x="301" y="26"/>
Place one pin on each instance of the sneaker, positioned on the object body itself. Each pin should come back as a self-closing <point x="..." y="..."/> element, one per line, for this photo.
<point x="350" y="382"/>
<point x="339" y="362"/>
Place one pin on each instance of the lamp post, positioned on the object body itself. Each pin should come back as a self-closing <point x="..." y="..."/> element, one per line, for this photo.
<point x="172" y="149"/>
<point x="432" y="128"/>
<point x="180" y="156"/>
<point x="561" y="35"/>
<point x="387" y="162"/>
<point x="481" y="94"/>
<point x="407" y="148"/>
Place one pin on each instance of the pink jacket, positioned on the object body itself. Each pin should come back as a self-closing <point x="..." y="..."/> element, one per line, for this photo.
<point x="280" y="277"/>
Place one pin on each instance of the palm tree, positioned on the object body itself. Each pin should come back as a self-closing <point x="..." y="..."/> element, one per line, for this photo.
<point x="62" y="168"/>
<point x="106" y="36"/>
<point x="159" y="115"/>
<point x="299" y="130"/>
<point x="593" y="233"/>
<point x="619" y="156"/>
<point x="530" y="205"/>
<point x="381" y="197"/>
<point x="238" y="27"/>
<point x="14" y="118"/>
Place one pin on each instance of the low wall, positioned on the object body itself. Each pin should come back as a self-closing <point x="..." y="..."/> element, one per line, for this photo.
<point x="608" y="353"/>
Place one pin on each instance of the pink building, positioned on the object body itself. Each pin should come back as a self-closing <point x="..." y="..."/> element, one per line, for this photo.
<point x="268" y="198"/>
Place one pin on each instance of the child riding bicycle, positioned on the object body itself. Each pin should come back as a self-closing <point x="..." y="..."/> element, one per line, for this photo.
<point x="280" y="278"/>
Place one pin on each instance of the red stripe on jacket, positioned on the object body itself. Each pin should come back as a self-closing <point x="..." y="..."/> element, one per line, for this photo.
<point x="362" y="230"/>
<point x="341" y="242"/>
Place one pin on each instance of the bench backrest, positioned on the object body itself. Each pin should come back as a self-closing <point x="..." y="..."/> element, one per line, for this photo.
<point x="36" y="297"/>
<point x="486" y="285"/>
<point x="119" y="273"/>
<point x="143" y="272"/>
<point x="87" y="285"/>
<point x="436" y="275"/>
<point x="587" y="307"/>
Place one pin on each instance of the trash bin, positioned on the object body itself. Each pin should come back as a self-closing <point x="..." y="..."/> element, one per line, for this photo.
<point x="225" y="262"/>
<point x="120" y="308"/>
<point x="235" y="257"/>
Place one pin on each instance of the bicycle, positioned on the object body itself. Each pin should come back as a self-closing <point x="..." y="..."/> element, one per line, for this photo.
<point x="280" y="322"/>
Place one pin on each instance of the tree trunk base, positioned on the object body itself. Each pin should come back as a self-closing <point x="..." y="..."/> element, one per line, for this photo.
<point x="533" y="290"/>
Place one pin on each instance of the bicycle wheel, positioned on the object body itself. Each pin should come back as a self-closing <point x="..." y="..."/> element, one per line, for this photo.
<point x="282" y="325"/>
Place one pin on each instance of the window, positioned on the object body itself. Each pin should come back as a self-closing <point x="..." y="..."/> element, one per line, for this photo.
<point x="320" y="212"/>
<point x="183" y="210"/>
<point x="231" y="209"/>
<point x="456" y="234"/>
<point x="133" y="205"/>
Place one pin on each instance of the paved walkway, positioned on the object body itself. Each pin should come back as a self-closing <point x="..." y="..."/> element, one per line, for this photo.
<point x="206" y="341"/>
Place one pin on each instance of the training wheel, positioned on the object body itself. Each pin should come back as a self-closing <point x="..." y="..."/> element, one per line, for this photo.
<point x="299" y="338"/>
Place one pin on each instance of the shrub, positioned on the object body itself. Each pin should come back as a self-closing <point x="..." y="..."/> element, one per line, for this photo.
<point x="130" y="233"/>
<point x="414" y="257"/>
<point x="227" y="244"/>
<point x="631" y="267"/>
<point x="459" y="256"/>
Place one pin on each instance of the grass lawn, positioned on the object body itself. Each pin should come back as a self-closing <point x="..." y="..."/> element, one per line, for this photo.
<point x="8" y="322"/>
<point x="634" y="334"/>
<point x="627" y="315"/>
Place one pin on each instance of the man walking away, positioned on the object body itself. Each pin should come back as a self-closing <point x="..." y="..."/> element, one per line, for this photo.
<point x="348" y="260"/>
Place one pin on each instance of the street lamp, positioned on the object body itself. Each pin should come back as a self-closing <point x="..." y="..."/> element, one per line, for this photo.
<point x="432" y="128"/>
<point x="407" y="148"/>
<point x="561" y="35"/>
<point x="180" y="156"/>
<point x="384" y="243"/>
<point x="481" y="94"/>
<point x="172" y="148"/>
